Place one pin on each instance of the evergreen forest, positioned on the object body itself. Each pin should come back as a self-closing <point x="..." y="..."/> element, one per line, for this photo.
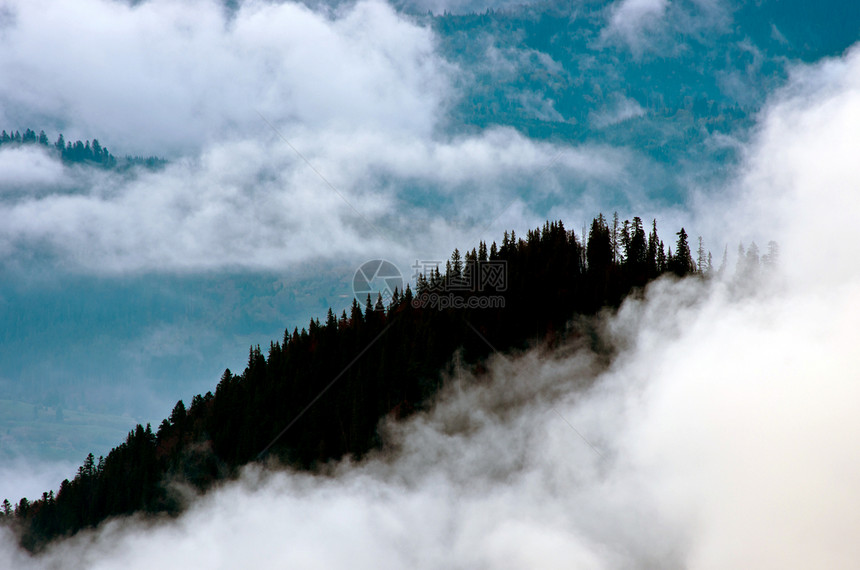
<point x="319" y="393"/>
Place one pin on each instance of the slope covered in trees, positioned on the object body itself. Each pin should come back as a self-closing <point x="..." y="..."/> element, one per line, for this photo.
<point x="77" y="152"/>
<point x="318" y="394"/>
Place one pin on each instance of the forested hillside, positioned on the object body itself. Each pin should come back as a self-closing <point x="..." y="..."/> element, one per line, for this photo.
<point x="79" y="152"/>
<point x="319" y="393"/>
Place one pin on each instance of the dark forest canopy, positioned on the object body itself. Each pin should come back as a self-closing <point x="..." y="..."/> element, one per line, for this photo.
<point x="77" y="152"/>
<point x="318" y="394"/>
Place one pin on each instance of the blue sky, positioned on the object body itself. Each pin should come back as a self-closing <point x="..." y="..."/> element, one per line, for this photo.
<point x="123" y="292"/>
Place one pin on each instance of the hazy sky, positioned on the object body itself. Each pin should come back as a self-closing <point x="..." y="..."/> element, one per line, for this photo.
<point x="303" y="141"/>
<point x="724" y="434"/>
<point x="238" y="101"/>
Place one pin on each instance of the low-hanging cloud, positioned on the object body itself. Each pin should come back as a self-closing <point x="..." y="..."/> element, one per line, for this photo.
<point x="460" y="6"/>
<point x="631" y="19"/>
<point x="723" y="434"/>
<point x="21" y="477"/>
<point x="282" y="124"/>
<point x="619" y="109"/>
<point x="162" y="77"/>
<point x="256" y="205"/>
<point x="645" y="26"/>
<point x="28" y="169"/>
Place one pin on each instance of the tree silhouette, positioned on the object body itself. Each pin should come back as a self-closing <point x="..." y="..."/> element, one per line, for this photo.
<point x="320" y="393"/>
<point x="682" y="262"/>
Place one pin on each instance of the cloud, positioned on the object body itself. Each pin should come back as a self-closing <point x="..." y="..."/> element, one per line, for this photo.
<point x="777" y="36"/>
<point x="257" y="205"/>
<point x="25" y="477"/>
<point x="645" y="26"/>
<point x="676" y="456"/>
<point x="799" y="176"/>
<point x="459" y="6"/>
<point x="630" y="20"/>
<point x="724" y="433"/>
<point x="28" y="169"/>
<point x="178" y="76"/>
<point x="621" y="109"/>
<point x="359" y="91"/>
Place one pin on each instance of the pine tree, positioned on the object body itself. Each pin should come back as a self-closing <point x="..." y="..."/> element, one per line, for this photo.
<point x="97" y="151"/>
<point x="741" y="256"/>
<point x="724" y="261"/>
<point x="614" y="237"/>
<point x="456" y="264"/>
<point x="662" y="260"/>
<point x="368" y="309"/>
<point x="752" y="262"/>
<point x="636" y="247"/>
<point x="599" y="249"/>
<point x="771" y="258"/>
<point x="683" y="261"/>
<point x="701" y="263"/>
<point x="421" y="284"/>
<point x="625" y="242"/>
<point x="177" y="416"/>
<point x="482" y="251"/>
<point x="652" y="257"/>
<point x="355" y="313"/>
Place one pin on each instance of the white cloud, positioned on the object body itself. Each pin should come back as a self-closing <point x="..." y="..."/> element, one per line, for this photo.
<point x="257" y="205"/>
<point x="799" y="175"/>
<point x="777" y="36"/>
<point x="724" y="434"/>
<point x="720" y="438"/>
<point x="619" y="110"/>
<point x="25" y="477"/>
<point x="645" y="26"/>
<point x="459" y="6"/>
<point x="359" y="92"/>
<point x="28" y="169"/>
<point x="165" y="77"/>
<point x="632" y="21"/>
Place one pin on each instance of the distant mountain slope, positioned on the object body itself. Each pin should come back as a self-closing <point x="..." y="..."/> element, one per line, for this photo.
<point x="319" y="393"/>
<point x="59" y="432"/>
<point x="78" y="152"/>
